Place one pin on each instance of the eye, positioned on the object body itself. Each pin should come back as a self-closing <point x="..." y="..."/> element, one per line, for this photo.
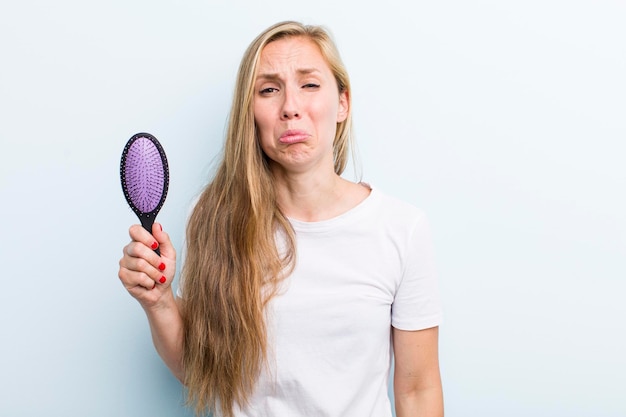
<point x="268" y="90"/>
<point x="311" y="86"/>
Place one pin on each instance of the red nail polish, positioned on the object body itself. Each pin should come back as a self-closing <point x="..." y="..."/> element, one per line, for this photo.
<point x="161" y="226"/>
<point x="162" y="266"/>
<point x="162" y="280"/>
<point x="154" y="286"/>
<point x="155" y="245"/>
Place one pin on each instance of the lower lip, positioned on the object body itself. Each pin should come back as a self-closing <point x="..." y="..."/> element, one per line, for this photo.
<point x="293" y="139"/>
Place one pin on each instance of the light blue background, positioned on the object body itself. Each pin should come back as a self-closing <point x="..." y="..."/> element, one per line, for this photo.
<point x="505" y="121"/>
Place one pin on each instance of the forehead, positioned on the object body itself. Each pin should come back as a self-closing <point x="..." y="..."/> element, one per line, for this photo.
<point x="292" y="52"/>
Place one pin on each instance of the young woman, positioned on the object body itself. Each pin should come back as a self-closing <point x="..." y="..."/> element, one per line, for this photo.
<point x="298" y="285"/>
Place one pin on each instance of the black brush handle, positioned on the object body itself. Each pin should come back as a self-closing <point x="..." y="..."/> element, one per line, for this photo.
<point x="147" y="221"/>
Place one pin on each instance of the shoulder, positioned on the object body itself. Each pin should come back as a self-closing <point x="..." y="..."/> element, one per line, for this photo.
<point x="394" y="209"/>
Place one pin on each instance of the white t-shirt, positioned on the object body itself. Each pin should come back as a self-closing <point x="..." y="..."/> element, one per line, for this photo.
<point x="329" y="329"/>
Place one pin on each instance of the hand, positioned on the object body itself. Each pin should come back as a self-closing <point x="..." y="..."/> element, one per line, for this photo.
<point x="146" y="275"/>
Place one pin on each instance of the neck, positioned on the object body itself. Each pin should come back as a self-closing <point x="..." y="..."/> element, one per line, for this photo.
<point x="316" y="196"/>
<point x="308" y="196"/>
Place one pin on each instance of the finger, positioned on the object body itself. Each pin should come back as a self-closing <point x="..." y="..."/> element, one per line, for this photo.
<point x="139" y="234"/>
<point x="139" y="258"/>
<point x="148" y="297"/>
<point x="136" y="271"/>
<point x="164" y="242"/>
<point x="168" y="255"/>
<point x="135" y="281"/>
<point x="138" y="250"/>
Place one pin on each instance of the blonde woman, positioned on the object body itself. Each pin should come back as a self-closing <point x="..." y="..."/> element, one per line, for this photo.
<point x="298" y="285"/>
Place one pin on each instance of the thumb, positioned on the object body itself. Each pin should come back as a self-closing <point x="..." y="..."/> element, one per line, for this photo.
<point x="165" y="244"/>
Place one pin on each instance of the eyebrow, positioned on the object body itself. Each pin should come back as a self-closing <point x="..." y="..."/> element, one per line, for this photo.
<point x="274" y="76"/>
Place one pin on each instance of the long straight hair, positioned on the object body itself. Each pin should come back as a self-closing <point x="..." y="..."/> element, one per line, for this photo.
<point x="233" y="265"/>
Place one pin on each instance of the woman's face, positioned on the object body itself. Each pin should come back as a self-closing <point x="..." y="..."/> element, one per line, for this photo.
<point x="297" y="106"/>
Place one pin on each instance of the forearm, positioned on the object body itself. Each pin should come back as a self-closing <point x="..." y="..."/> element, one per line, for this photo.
<point x="166" y="326"/>
<point x="417" y="380"/>
<point x="426" y="402"/>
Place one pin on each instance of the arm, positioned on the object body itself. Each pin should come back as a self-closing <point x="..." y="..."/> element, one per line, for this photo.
<point x="417" y="382"/>
<point x="166" y="326"/>
<point x="148" y="278"/>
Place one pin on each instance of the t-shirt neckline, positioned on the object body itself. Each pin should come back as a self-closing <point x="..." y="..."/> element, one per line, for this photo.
<point x="349" y="216"/>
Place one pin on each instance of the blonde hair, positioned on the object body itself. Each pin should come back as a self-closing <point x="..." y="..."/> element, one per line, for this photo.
<point x="233" y="265"/>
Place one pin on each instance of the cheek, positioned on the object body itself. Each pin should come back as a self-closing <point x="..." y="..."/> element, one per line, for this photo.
<point x="264" y="136"/>
<point x="327" y="114"/>
<point x="261" y="137"/>
<point x="328" y="109"/>
<point x="262" y="122"/>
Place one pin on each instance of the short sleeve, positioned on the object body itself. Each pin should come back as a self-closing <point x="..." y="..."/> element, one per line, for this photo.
<point x="417" y="303"/>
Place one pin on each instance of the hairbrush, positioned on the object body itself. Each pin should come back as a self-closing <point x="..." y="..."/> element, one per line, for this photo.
<point x="145" y="177"/>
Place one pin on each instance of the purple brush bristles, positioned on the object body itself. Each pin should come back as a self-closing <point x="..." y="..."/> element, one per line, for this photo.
<point x="144" y="175"/>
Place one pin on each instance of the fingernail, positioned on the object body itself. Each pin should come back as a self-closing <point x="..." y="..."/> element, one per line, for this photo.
<point x="162" y="280"/>
<point x="162" y="266"/>
<point x="155" y="245"/>
<point x="154" y="286"/>
<point x="161" y="226"/>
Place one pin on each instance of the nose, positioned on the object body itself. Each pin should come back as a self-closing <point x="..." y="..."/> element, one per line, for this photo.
<point x="291" y="106"/>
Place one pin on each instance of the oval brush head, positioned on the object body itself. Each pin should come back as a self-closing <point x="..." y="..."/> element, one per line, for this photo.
<point x="145" y="177"/>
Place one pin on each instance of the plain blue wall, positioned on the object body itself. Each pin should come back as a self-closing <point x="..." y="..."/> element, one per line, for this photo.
<point x="503" y="120"/>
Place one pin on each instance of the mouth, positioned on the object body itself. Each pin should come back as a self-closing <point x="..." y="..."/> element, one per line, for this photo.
<point x="293" y="136"/>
